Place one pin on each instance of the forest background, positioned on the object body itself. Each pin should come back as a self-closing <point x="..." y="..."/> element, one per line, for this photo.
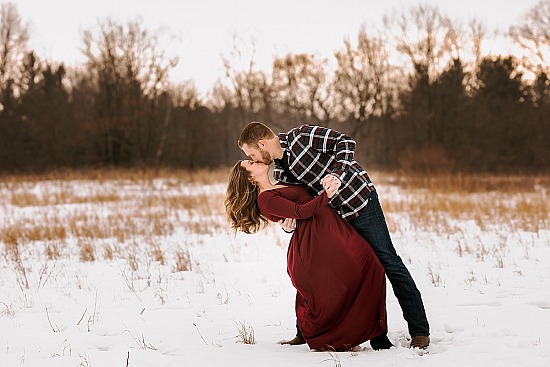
<point x="418" y="94"/>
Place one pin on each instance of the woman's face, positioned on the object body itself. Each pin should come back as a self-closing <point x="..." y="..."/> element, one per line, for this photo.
<point x="256" y="169"/>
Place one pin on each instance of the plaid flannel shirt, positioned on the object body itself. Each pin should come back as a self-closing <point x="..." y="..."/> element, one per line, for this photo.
<point x="314" y="152"/>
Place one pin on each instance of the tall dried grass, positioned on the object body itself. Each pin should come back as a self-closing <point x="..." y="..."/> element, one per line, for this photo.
<point x="436" y="203"/>
<point x="106" y="213"/>
<point x="482" y="214"/>
<point x="98" y="175"/>
<point x="465" y="183"/>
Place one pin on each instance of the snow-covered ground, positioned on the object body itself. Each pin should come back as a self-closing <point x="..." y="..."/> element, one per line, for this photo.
<point x="486" y="289"/>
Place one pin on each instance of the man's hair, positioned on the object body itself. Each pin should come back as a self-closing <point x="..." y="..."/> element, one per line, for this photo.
<point x="253" y="132"/>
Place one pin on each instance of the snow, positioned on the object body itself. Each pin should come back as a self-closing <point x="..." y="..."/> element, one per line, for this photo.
<point x="486" y="290"/>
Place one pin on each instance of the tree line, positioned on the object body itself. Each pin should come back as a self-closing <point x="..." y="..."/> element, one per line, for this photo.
<point x="418" y="94"/>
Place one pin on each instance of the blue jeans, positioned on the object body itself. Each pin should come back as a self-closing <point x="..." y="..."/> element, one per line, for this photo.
<point x="371" y="225"/>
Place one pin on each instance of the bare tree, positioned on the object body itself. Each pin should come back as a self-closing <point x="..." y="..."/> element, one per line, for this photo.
<point x="426" y="37"/>
<point x="14" y="36"/>
<point x="533" y="35"/>
<point x="247" y="97"/>
<point x="131" y="73"/>
<point x="478" y="31"/>
<point x="363" y="78"/>
<point x="299" y="83"/>
<point x="364" y="90"/>
<point x="185" y="94"/>
<point x="430" y="41"/>
<point x="250" y="88"/>
<point x="181" y="139"/>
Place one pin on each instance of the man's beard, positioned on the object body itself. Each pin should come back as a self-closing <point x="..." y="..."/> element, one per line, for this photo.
<point x="266" y="157"/>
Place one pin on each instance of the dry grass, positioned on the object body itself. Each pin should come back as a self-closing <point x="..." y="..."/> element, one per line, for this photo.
<point x="465" y="183"/>
<point x="53" y="250"/>
<point x="26" y="198"/>
<point x="482" y="215"/>
<point x="7" y="310"/>
<point x="246" y="333"/>
<point x="157" y="254"/>
<point x="437" y="202"/>
<point x="440" y="212"/>
<point x="104" y="214"/>
<point x="12" y="251"/>
<point x="183" y="261"/>
<point x="178" y="176"/>
<point x="87" y="251"/>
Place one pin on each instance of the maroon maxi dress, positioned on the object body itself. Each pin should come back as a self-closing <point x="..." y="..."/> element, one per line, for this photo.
<point x="341" y="285"/>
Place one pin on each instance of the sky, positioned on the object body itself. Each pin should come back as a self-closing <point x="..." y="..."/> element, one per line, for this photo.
<point x="200" y="32"/>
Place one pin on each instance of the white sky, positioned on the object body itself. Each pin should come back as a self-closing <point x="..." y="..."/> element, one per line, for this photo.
<point x="205" y="29"/>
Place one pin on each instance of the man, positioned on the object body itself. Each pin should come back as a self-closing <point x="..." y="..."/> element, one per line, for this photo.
<point x="322" y="158"/>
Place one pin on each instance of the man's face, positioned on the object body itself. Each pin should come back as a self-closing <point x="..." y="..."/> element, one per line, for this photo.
<point x="259" y="154"/>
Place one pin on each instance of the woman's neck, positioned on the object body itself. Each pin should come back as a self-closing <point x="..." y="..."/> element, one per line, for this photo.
<point x="265" y="185"/>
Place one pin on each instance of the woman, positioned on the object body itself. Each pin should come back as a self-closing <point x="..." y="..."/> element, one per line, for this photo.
<point x="341" y="286"/>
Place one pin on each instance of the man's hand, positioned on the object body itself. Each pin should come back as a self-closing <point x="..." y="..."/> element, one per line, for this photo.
<point x="288" y="224"/>
<point x="331" y="184"/>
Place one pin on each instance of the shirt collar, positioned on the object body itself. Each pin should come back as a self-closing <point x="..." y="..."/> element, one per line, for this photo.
<point x="283" y="139"/>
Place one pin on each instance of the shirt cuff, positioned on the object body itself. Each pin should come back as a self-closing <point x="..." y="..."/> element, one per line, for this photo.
<point x="340" y="174"/>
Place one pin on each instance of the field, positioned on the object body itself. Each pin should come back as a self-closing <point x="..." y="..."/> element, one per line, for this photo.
<point x="138" y="268"/>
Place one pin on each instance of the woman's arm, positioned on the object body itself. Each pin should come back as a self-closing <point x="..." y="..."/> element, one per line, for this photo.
<point x="283" y="208"/>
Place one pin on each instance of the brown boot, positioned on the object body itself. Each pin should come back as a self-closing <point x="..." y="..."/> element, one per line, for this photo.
<point x="298" y="340"/>
<point x="420" y="341"/>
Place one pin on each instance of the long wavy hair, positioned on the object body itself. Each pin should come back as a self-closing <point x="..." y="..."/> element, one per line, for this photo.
<point x="241" y="202"/>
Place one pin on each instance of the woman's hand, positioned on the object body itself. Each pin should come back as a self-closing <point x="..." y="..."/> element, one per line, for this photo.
<point x="331" y="184"/>
<point x="331" y="190"/>
<point x="288" y="224"/>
